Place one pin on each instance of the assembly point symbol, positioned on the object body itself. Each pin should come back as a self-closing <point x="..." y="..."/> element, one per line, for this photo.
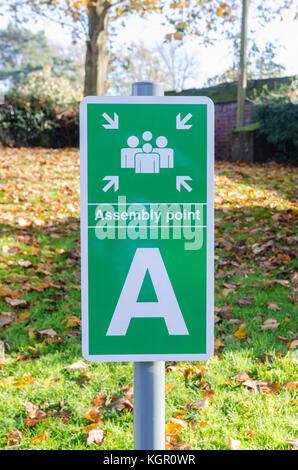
<point x="143" y="157"/>
<point x="147" y="159"/>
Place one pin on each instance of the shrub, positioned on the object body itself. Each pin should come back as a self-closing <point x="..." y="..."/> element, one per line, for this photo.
<point x="277" y="116"/>
<point x="43" y="84"/>
<point x="36" y="121"/>
<point x="279" y="125"/>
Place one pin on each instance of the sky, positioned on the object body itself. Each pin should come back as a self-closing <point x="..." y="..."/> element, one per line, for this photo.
<point x="215" y="59"/>
<point x="212" y="60"/>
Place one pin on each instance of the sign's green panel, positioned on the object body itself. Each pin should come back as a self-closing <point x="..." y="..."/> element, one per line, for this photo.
<point x="147" y="228"/>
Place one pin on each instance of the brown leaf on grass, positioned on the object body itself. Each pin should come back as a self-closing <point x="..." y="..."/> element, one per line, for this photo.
<point x="33" y="410"/>
<point x="179" y="413"/>
<point x="72" y="334"/>
<point x="282" y="339"/>
<point x="6" y="318"/>
<point x="64" y="415"/>
<point x="200" y="370"/>
<point x="188" y="371"/>
<point x="265" y="357"/>
<point x="171" y="368"/>
<point x="293" y="344"/>
<point x="26" y="380"/>
<point x="24" y="315"/>
<point x="225" y="312"/>
<point x="293" y="442"/>
<point x="31" y="333"/>
<point x="79" y="365"/>
<point x="209" y="393"/>
<point x="226" y="292"/>
<point x="270" y="324"/>
<point x="257" y="385"/>
<point x="258" y="317"/>
<point x="170" y="441"/>
<point x="218" y="344"/>
<point x="282" y="282"/>
<point x="173" y="429"/>
<point x="168" y="388"/>
<point x="256" y="248"/>
<point x="25" y="263"/>
<point x="10" y="250"/>
<point x="14" y="437"/>
<point x="246" y="301"/>
<point x="38" y="439"/>
<point x="90" y="427"/>
<point x="204" y="423"/>
<point x="273" y="306"/>
<point x="95" y="436"/>
<point x="204" y="385"/>
<point x="249" y="434"/>
<point x="34" y="414"/>
<point x="234" y="321"/>
<point x="48" y="333"/>
<point x="72" y="321"/>
<point x="62" y="412"/>
<point x="251" y="384"/>
<point x="29" y="422"/>
<point x="241" y="332"/>
<point x="120" y="403"/>
<point x="267" y="388"/>
<point x="8" y="381"/>
<point x="201" y="404"/>
<point x="94" y="416"/>
<point x="128" y="391"/>
<point x="100" y="400"/>
<point x="242" y="377"/>
<point x="16" y="302"/>
<point x="180" y="446"/>
<point x="234" y="444"/>
<point x="291" y="385"/>
<point x="180" y="421"/>
<point x="85" y="377"/>
<point x="5" y="292"/>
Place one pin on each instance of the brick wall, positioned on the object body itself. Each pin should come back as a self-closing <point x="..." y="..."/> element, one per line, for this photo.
<point x="225" y="122"/>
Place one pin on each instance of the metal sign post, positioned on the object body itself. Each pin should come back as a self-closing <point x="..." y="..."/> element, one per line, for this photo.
<point x="149" y="377"/>
<point x="147" y="239"/>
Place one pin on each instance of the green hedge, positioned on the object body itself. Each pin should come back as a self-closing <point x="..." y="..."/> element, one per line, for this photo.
<point x="278" y="123"/>
<point x="227" y="92"/>
<point x="30" y="121"/>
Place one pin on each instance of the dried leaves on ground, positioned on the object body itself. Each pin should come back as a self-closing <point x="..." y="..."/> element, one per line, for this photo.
<point x="40" y="326"/>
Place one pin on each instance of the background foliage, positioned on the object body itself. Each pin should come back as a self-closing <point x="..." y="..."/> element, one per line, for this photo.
<point x="279" y="124"/>
<point x="59" y="90"/>
<point x="24" y="52"/>
<point x="32" y="121"/>
<point x="50" y="118"/>
<point x="276" y="111"/>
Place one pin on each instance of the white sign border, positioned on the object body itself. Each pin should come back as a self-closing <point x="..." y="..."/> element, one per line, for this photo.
<point x="210" y="227"/>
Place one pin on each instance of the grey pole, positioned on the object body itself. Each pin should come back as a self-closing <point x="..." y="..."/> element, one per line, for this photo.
<point x="147" y="89"/>
<point x="149" y="377"/>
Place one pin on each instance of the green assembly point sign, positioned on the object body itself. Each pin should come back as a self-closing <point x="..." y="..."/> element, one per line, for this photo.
<point x="147" y="228"/>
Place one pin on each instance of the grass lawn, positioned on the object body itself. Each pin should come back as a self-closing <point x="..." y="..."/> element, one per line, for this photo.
<point x="243" y="397"/>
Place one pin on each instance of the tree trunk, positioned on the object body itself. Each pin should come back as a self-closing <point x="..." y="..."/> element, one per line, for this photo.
<point x="242" y="83"/>
<point x="96" y="51"/>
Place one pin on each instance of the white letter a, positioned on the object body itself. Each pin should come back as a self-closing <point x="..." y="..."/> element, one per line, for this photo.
<point x="167" y="305"/>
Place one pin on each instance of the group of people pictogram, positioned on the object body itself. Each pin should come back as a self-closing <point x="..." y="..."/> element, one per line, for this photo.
<point x="147" y="159"/>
